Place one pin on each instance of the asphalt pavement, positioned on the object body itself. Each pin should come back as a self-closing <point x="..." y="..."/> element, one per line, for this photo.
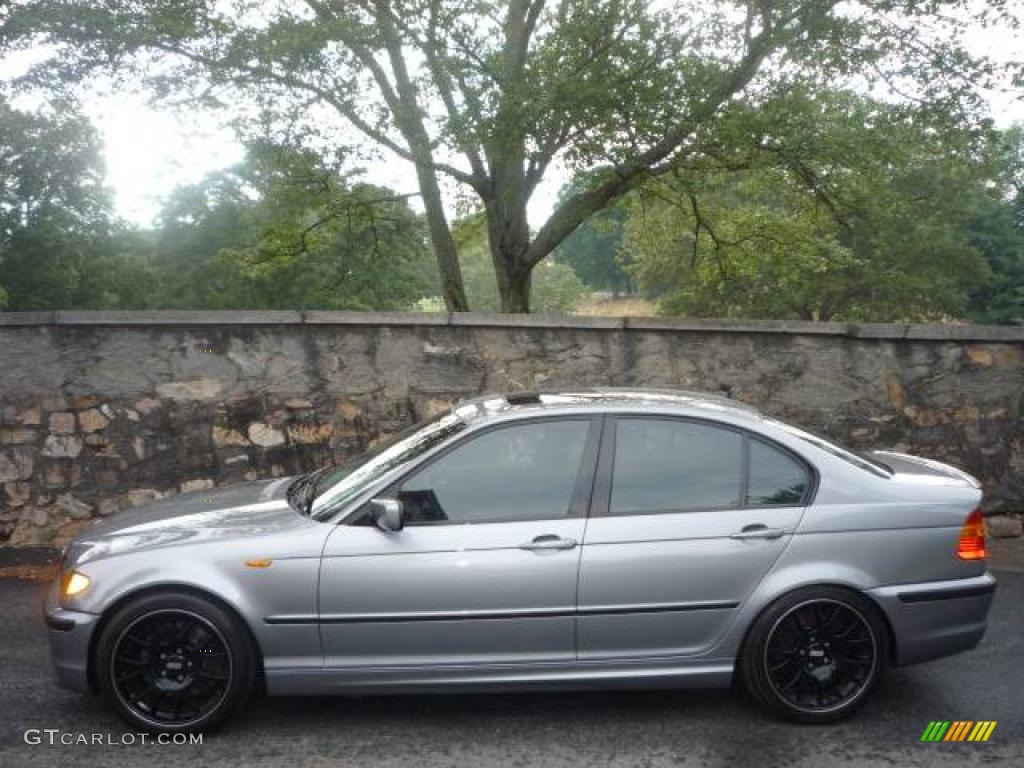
<point x="605" y="728"/>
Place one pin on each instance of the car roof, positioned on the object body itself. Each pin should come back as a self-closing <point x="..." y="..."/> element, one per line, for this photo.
<point x="604" y="400"/>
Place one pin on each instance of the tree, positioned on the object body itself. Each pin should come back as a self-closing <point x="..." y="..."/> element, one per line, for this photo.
<point x="488" y="94"/>
<point x="861" y="216"/>
<point x="556" y="288"/>
<point x="283" y="231"/>
<point x="996" y="229"/>
<point x="593" y="250"/>
<point x="60" y="246"/>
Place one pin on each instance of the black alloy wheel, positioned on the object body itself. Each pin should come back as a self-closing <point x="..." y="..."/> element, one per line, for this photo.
<point x="175" y="662"/>
<point x="815" y="654"/>
<point x="820" y="655"/>
<point x="171" y="666"/>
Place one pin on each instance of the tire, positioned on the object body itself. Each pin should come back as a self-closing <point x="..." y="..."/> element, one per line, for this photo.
<point x="174" y="662"/>
<point x="814" y="655"/>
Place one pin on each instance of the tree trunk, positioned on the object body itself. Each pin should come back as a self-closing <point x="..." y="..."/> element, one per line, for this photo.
<point x="452" y="288"/>
<point x="508" y="235"/>
<point x="508" y="230"/>
<point x="514" y="290"/>
<point x="404" y="104"/>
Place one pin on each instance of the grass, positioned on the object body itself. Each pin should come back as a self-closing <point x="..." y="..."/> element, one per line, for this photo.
<point x="606" y="306"/>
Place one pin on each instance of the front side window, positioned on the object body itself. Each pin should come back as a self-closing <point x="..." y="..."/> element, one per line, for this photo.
<point x="519" y="472"/>
<point x="662" y="465"/>
<point x="338" y="485"/>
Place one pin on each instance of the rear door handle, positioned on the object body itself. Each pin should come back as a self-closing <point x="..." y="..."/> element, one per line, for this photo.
<point x="549" y="542"/>
<point x="758" y="531"/>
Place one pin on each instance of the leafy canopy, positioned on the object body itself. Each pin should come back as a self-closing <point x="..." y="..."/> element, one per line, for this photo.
<point x="488" y="95"/>
<point x="59" y="242"/>
<point x="283" y="231"/>
<point x="840" y="206"/>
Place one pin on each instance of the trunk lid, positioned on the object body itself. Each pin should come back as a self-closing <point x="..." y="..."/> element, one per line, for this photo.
<point x="905" y="466"/>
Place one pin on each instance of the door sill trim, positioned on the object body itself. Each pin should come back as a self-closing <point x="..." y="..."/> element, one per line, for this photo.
<point x="542" y="613"/>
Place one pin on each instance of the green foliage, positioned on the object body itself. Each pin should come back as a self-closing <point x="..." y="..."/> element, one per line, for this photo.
<point x="556" y="287"/>
<point x="59" y="246"/>
<point x="996" y="229"/>
<point x="489" y="94"/>
<point x="282" y="231"/>
<point x="841" y="207"/>
<point x="593" y="249"/>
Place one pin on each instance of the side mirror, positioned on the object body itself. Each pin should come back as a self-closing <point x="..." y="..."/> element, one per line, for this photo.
<point x="387" y="514"/>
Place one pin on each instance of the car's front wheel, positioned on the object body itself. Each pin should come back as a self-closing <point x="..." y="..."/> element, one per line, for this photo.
<point x="815" y="654"/>
<point x="174" y="662"/>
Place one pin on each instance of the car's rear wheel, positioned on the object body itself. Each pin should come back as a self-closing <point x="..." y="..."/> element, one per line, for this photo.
<point x="174" y="662"/>
<point x="815" y="654"/>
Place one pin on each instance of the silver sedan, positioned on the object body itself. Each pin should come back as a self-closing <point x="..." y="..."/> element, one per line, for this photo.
<point x="589" y="539"/>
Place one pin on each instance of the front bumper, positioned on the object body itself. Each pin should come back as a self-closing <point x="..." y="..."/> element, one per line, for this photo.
<point x="70" y="633"/>
<point x="938" y="618"/>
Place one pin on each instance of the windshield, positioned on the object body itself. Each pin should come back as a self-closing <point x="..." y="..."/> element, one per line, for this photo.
<point x="337" y="485"/>
<point x="857" y="459"/>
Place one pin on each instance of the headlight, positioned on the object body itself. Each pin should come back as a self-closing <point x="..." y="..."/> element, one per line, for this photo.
<point x="73" y="583"/>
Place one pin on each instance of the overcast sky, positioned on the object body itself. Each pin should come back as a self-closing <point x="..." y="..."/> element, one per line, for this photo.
<point x="149" y="151"/>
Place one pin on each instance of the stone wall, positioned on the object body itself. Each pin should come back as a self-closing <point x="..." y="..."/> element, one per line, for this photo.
<point x="100" y="411"/>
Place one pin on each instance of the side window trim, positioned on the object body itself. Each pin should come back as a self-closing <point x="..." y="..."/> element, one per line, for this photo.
<point x="600" y="505"/>
<point x="744" y="469"/>
<point x="601" y="501"/>
<point x="583" y="491"/>
<point x="581" y="495"/>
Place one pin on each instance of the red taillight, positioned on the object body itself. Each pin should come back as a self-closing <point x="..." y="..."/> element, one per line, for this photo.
<point x="972" y="538"/>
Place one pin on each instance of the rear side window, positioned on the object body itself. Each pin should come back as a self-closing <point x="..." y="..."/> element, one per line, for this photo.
<point x="674" y="465"/>
<point x="662" y="465"/>
<point x="776" y="478"/>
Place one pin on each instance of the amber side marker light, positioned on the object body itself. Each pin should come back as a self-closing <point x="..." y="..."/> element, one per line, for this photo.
<point x="74" y="583"/>
<point x="971" y="545"/>
<point x="260" y="562"/>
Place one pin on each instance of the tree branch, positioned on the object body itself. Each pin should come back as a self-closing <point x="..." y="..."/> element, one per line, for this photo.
<point x="625" y="175"/>
<point x="443" y="82"/>
<point x="573" y="211"/>
<point x="264" y="74"/>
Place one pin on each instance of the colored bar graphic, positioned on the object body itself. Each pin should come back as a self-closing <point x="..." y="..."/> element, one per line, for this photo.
<point x="958" y="730"/>
<point x="935" y="730"/>
<point x="984" y="730"/>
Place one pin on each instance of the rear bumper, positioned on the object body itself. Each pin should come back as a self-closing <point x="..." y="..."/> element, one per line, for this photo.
<point x="938" y="618"/>
<point x="69" y="633"/>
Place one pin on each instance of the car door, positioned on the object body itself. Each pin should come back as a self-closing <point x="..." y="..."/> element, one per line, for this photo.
<point x="484" y="570"/>
<point x="688" y="517"/>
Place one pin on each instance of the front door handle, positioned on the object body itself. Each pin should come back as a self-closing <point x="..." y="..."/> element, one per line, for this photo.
<point x="758" y="531"/>
<point x="549" y="542"/>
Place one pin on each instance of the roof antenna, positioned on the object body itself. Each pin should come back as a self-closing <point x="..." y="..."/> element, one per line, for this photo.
<point x="523" y="398"/>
